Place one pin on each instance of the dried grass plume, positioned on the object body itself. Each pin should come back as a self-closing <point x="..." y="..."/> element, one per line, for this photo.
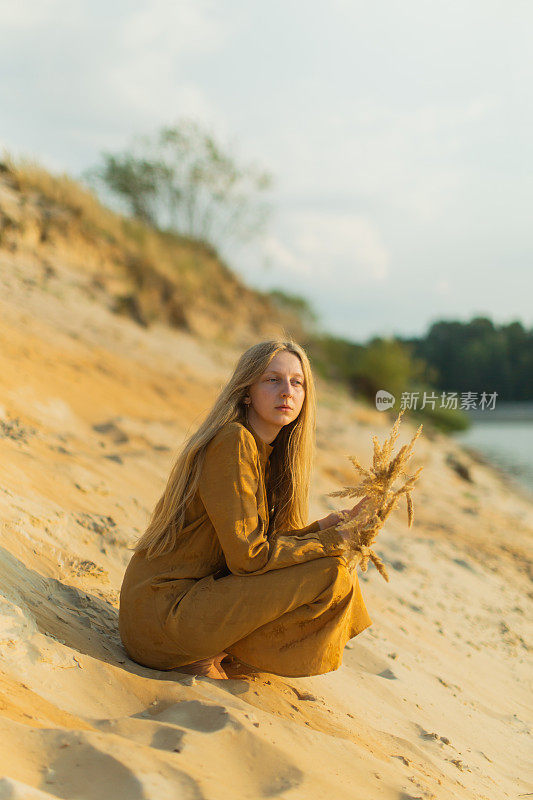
<point x="377" y="485"/>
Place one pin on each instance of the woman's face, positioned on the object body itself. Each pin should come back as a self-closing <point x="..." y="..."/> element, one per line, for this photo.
<point x="282" y="384"/>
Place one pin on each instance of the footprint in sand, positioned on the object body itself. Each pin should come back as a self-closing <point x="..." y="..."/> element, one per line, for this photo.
<point x="301" y="694"/>
<point x="389" y="674"/>
<point x="112" y="430"/>
<point x="372" y="663"/>
<point x="190" y="729"/>
<point x="195" y="715"/>
<point x="161" y="737"/>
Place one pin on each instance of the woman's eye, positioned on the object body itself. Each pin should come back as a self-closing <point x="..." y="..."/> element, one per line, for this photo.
<point x="298" y="383"/>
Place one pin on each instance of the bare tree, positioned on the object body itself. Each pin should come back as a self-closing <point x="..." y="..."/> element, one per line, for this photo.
<point x="183" y="180"/>
<point x="135" y="180"/>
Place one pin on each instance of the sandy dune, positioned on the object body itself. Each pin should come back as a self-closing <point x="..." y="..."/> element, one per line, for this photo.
<point x="432" y="701"/>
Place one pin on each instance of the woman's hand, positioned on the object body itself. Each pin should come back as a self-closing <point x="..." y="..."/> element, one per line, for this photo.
<point x="341" y="516"/>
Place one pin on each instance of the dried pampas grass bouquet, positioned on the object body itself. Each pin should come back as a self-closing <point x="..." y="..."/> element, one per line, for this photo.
<point x="377" y="486"/>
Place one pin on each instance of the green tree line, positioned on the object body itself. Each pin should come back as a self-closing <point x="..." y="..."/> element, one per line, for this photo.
<point x="479" y="356"/>
<point x="475" y="356"/>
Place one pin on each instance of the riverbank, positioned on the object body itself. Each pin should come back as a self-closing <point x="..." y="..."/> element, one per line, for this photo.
<point x="505" y="442"/>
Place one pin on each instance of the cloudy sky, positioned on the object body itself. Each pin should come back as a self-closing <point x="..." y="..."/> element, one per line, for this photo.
<point x="398" y="134"/>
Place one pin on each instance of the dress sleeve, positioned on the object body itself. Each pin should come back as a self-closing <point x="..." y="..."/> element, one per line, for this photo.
<point x="313" y="527"/>
<point x="228" y="486"/>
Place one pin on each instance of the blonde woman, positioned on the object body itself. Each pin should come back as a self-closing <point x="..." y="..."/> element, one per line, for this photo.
<point x="227" y="565"/>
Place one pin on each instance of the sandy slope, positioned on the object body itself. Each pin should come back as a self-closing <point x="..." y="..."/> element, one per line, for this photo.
<point x="430" y="702"/>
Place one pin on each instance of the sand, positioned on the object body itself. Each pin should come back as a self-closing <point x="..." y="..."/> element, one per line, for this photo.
<point x="432" y="701"/>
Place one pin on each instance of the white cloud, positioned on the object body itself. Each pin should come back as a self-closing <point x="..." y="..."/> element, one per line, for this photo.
<point x="336" y="238"/>
<point x="146" y="74"/>
<point x="174" y="28"/>
<point x="282" y="256"/>
<point x="413" y="159"/>
<point x="100" y="83"/>
<point x="27" y="15"/>
<point x="318" y="244"/>
<point x="442" y="287"/>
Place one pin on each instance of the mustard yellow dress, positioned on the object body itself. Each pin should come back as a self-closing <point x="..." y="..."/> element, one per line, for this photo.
<point x="284" y="603"/>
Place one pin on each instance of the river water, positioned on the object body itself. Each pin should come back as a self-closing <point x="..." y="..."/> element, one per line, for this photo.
<point x="505" y="436"/>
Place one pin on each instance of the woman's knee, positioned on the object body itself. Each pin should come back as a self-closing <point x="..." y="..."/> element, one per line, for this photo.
<point x="339" y="574"/>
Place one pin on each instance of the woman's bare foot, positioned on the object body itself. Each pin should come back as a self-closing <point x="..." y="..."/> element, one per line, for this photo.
<point x="207" y="667"/>
<point x="235" y="669"/>
<point x="217" y="662"/>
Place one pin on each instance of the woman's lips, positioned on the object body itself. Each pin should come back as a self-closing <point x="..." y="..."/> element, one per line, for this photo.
<point x="284" y="408"/>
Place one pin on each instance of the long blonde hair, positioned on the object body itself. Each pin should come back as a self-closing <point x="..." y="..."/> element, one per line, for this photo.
<point x="291" y="460"/>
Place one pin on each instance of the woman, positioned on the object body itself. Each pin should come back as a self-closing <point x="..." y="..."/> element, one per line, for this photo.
<point x="227" y="565"/>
